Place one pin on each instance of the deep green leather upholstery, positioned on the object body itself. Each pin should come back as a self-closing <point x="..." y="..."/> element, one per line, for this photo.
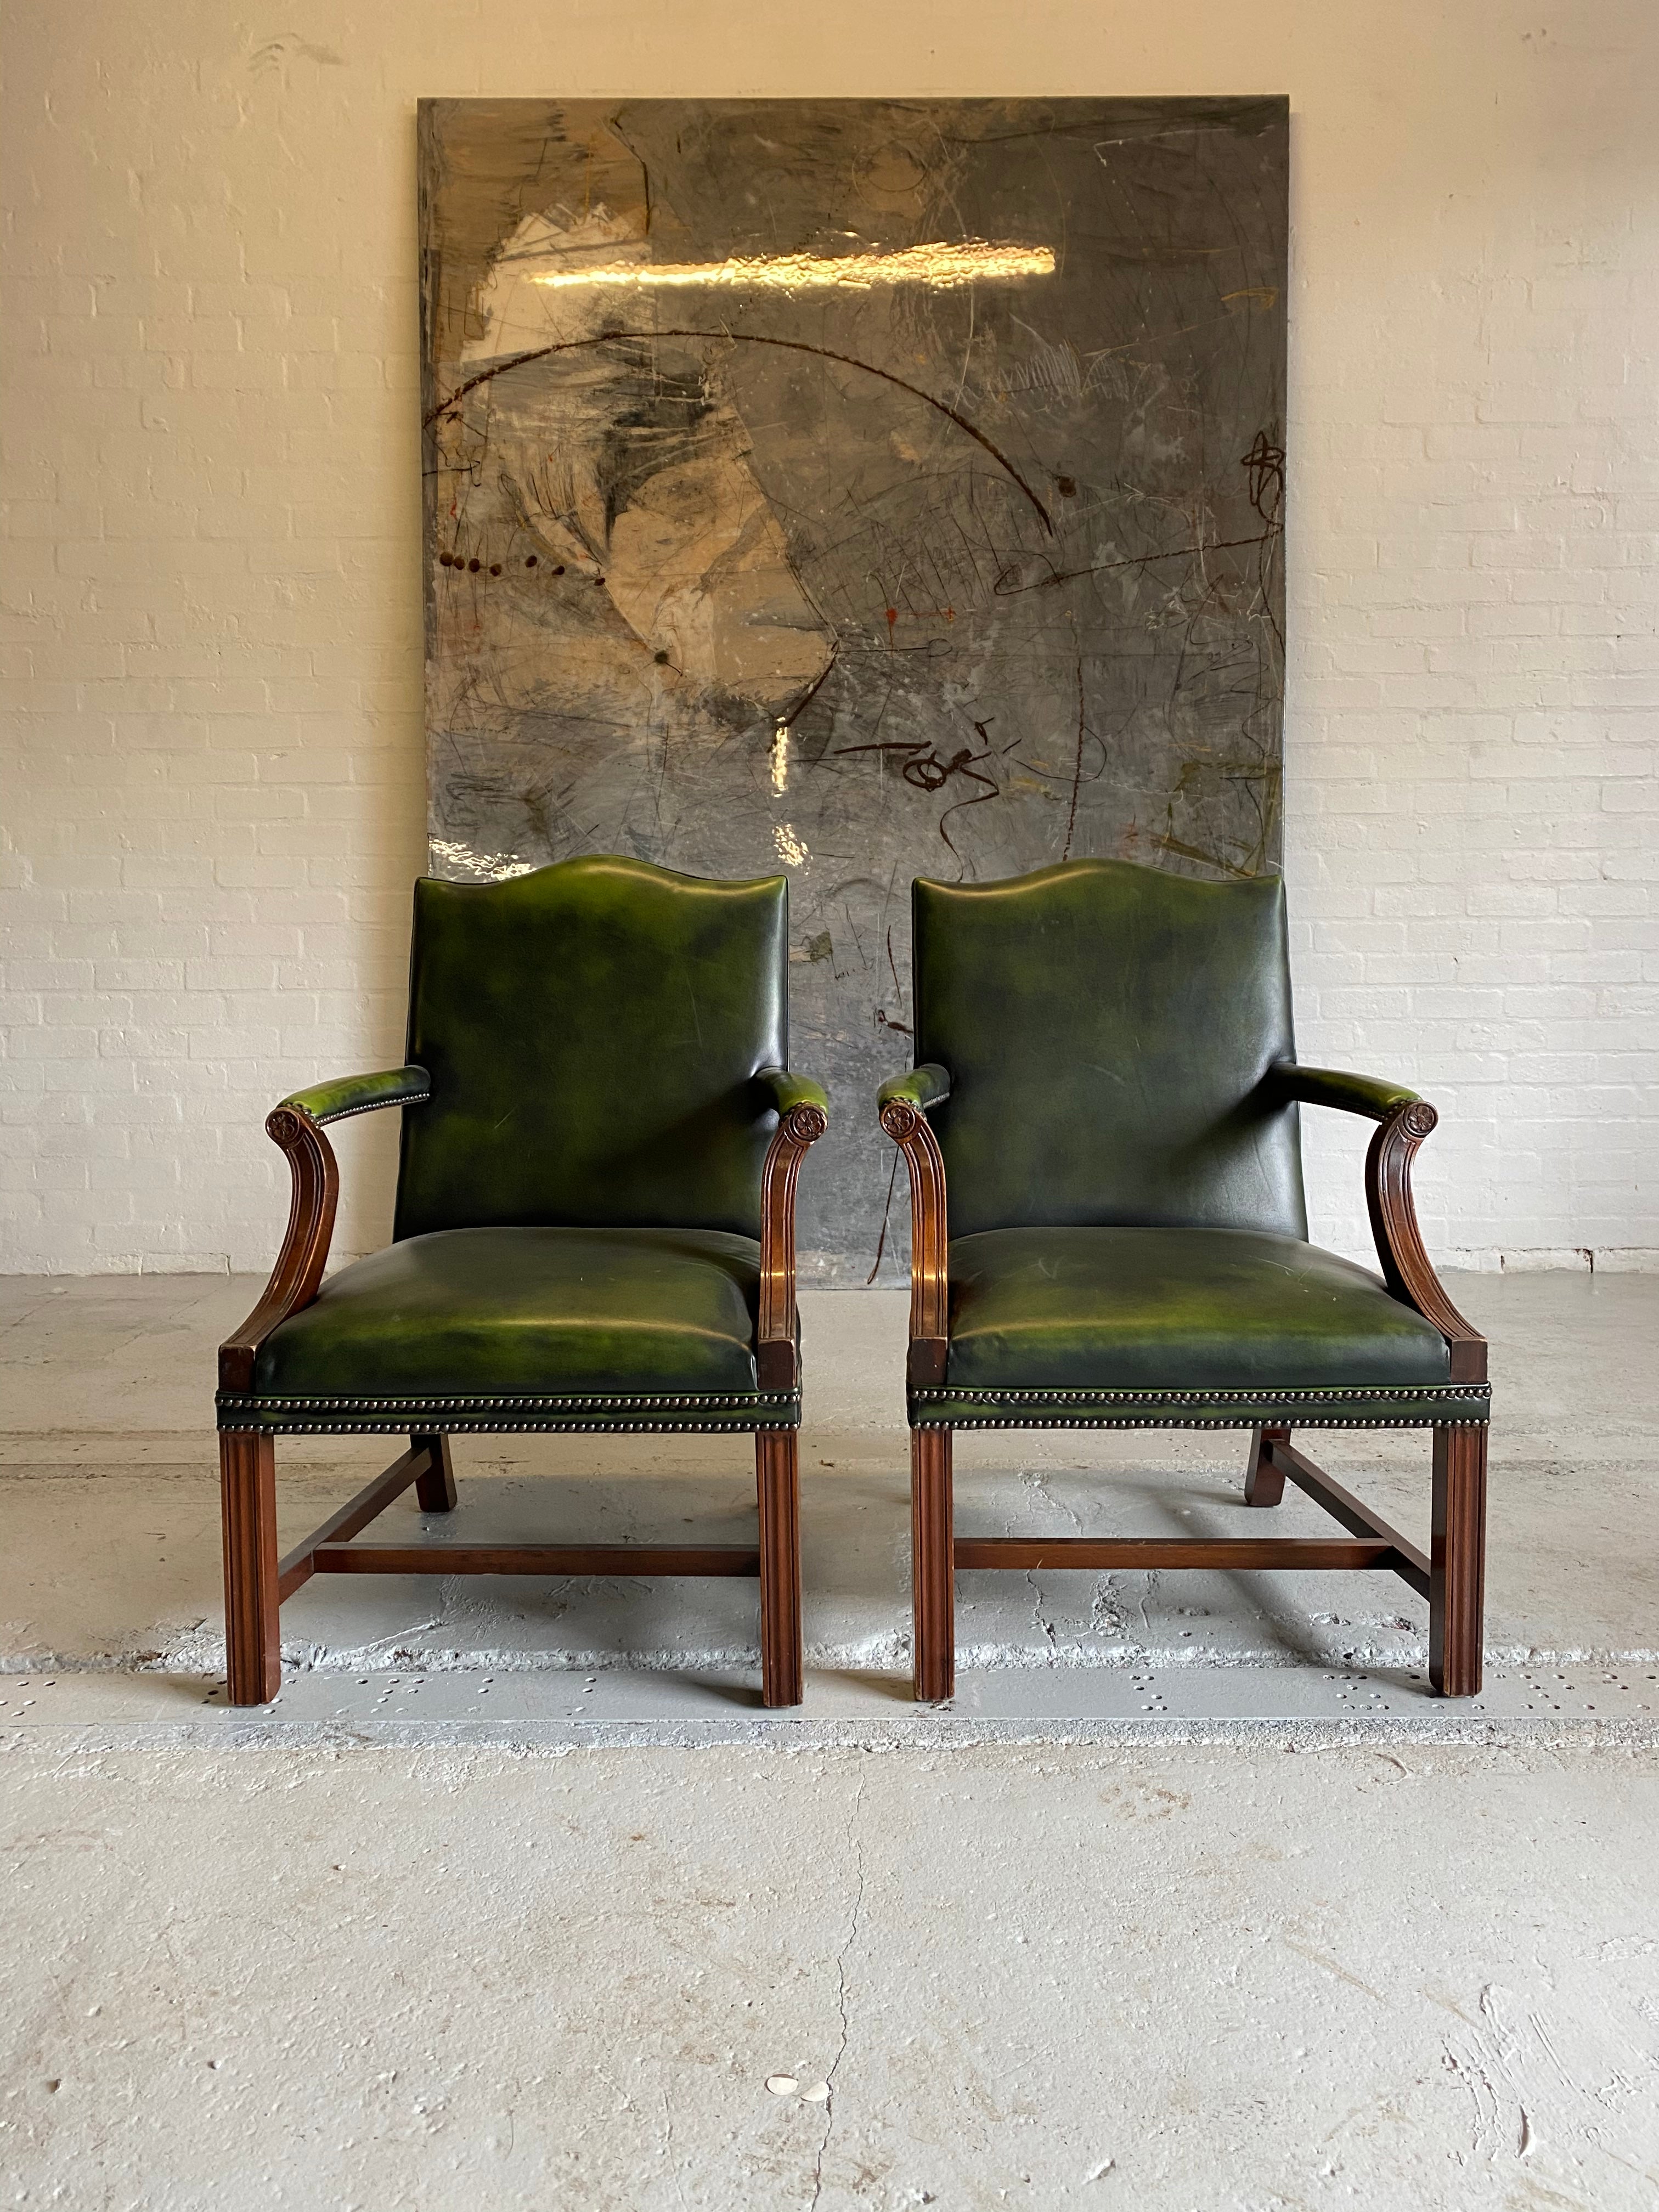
<point x="1105" y="1054"/>
<point x="1192" y="1327"/>
<point x="593" y="1033"/>
<point x="1107" y="1031"/>
<point x="526" y="1328"/>
<point x="597" y="1062"/>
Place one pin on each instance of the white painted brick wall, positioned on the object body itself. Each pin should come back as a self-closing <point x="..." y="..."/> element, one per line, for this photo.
<point x="212" y="757"/>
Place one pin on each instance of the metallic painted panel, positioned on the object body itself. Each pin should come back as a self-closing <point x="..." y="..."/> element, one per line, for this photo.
<point x="878" y="488"/>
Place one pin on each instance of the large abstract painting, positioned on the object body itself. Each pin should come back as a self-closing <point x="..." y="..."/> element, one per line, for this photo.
<point x="865" y="488"/>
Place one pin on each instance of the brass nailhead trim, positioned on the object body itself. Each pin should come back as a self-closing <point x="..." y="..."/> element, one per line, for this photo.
<point x="372" y="1106"/>
<point x="528" y="1402"/>
<point x="1247" y="1410"/>
<point x="723" y="1413"/>
<point x="737" y="1425"/>
<point x="1199" y="1421"/>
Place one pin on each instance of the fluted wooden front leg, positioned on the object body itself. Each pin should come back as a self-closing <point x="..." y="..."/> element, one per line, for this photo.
<point x="933" y="1566"/>
<point x="1457" y="1562"/>
<point x="247" y="1483"/>
<point x="777" y="1481"/>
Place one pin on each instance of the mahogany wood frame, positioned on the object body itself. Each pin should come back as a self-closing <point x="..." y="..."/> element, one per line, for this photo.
<point x="257" y="1581"/>
<point x="1450" y="1575"/>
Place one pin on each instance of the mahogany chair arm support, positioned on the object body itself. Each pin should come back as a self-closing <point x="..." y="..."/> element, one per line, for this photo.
<point x="1403" y="1120"/>
<point x="903" y="1102"/>
<point x="803" y="1117"/>
<point x="1406" y="1268"/>
<point x="297" y="1125"/>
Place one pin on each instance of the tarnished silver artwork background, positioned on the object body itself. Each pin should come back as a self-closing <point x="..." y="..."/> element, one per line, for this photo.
<point x="868" y="489"/>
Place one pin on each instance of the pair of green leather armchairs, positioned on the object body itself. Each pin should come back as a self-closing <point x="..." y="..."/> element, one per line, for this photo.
<point x="595" y="1230"/>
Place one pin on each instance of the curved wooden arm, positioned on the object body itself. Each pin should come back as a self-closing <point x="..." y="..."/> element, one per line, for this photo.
<point x="304" y="1255"/>
<point x="906" y="1123"/>
<point x="296" y="1124"/>
<point x="1406" y="1268"/>
<point x="777" y="1362"/>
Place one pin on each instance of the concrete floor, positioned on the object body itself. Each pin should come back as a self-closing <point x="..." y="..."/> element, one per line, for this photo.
<point x="1194" y="1900"/>
<point x="1206" y="1980"/>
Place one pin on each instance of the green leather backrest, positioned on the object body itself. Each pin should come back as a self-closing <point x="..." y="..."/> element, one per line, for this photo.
<point x="1107" y="1029"/>
<point x="592" y="1031"/>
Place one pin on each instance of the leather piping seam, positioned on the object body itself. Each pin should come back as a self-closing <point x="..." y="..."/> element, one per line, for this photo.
<point x="371" y="1106"/>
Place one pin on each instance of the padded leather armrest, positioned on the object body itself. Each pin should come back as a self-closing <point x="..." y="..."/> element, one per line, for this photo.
<point x="361" y="1094"/>
<point x="1349" y="1094"/>
<point x="789" y="1091"/>
<point x="920" y="1087"/>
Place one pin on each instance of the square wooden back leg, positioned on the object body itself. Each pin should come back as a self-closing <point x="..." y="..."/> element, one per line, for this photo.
<point x="435" y="1489"/>
<point x="1264" y="1483"/>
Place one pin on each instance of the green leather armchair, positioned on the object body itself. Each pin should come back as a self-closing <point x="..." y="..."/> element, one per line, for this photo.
<point x="594" y="1231"/>
<point x="1107" y="1080"/>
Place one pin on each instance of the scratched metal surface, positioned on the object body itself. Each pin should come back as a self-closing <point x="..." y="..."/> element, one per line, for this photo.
<point x="892" y="574"/>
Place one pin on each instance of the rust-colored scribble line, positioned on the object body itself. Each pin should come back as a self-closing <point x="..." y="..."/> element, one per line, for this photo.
<point x="747" y="338"/>
<point x="1077" y="770"/>
<point x="1005" y="589"/>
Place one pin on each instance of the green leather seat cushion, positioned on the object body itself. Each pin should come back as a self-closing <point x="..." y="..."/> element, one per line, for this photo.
<point x="1076" y="1323"/>
<point x="604" y="1327"/>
